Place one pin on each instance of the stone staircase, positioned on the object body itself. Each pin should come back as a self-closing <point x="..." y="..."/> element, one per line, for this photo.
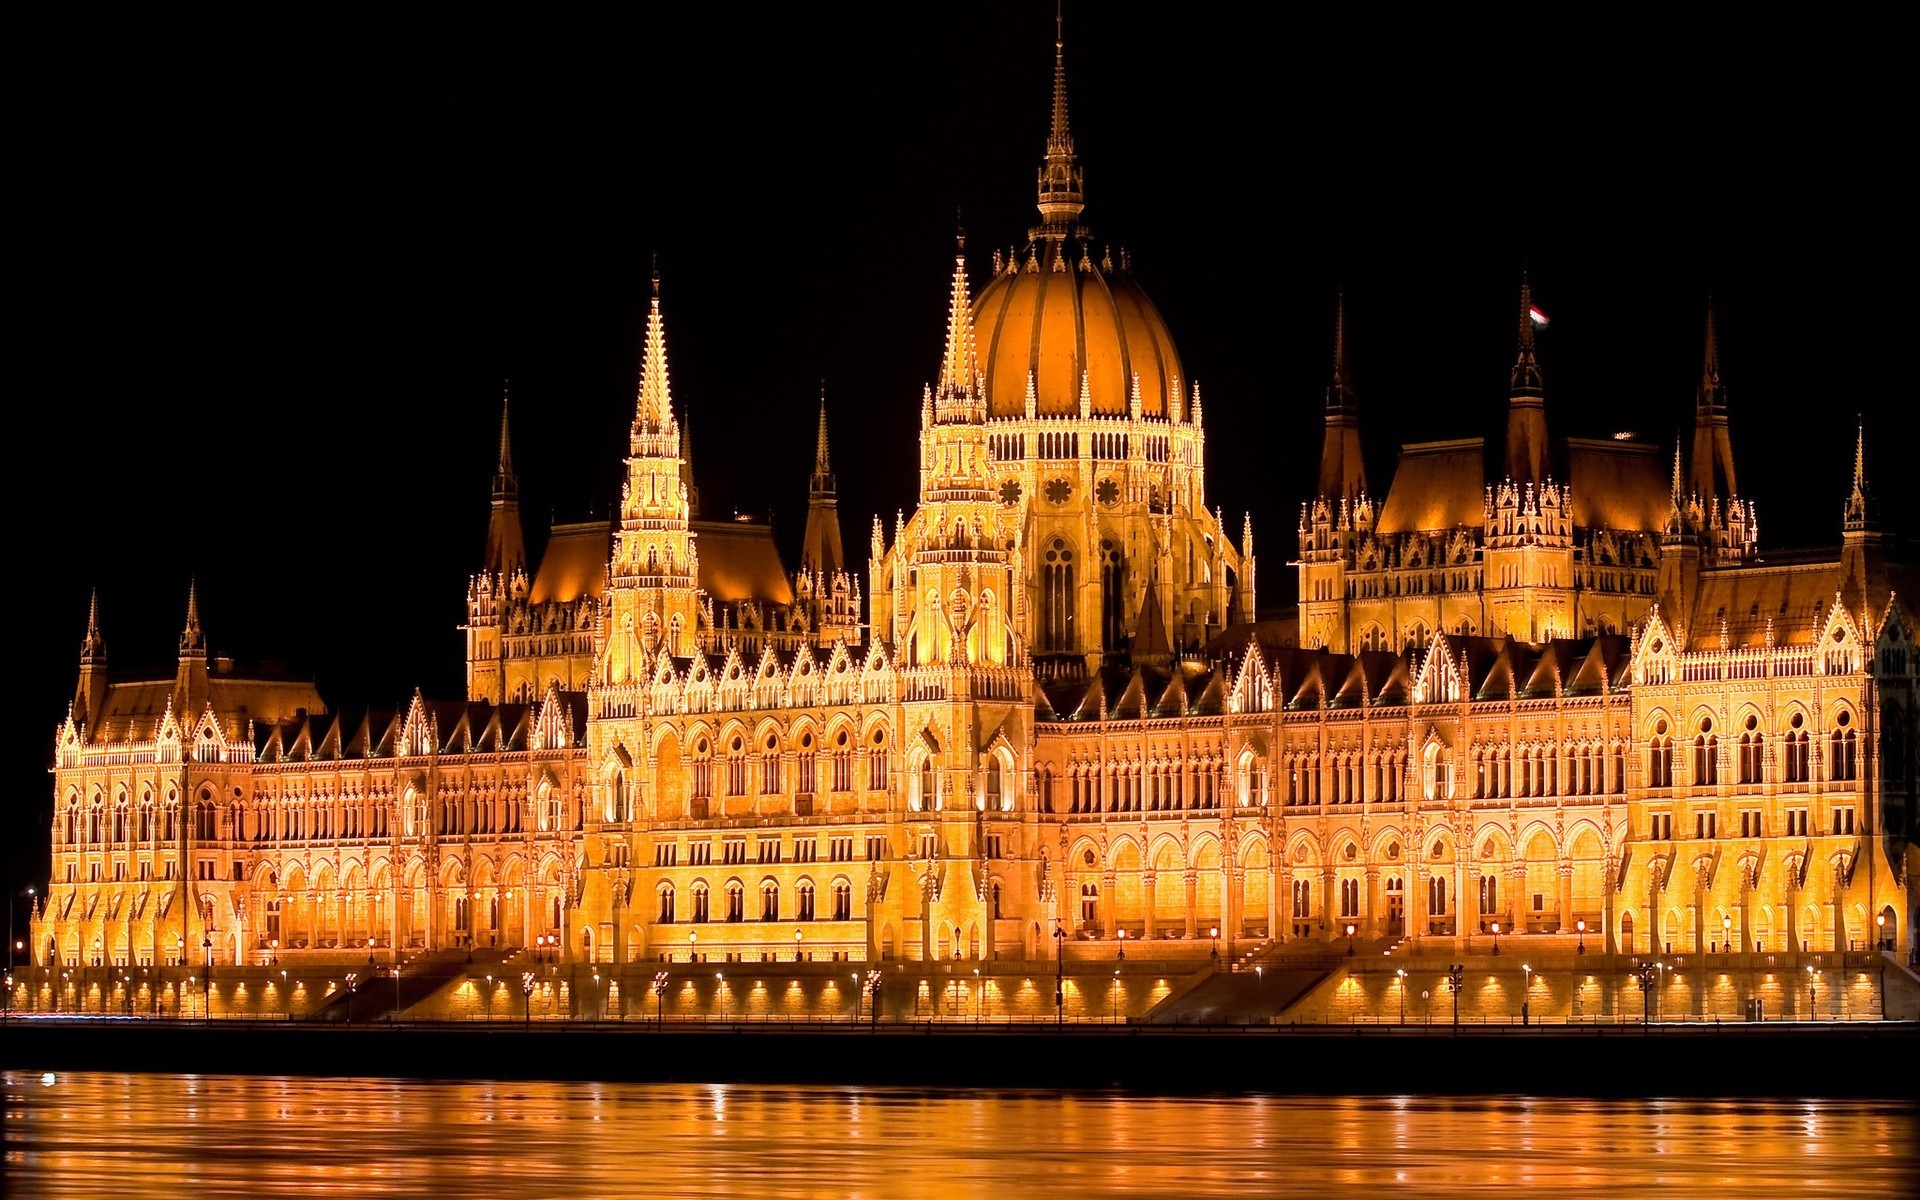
<point x="377" y="996"/>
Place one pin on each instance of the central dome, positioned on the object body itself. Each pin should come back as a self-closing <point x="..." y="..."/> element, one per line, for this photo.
<point x="1055" y="314"/>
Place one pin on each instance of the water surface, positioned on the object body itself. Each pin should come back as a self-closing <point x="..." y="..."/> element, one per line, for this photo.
<point x="207" y="1137"/>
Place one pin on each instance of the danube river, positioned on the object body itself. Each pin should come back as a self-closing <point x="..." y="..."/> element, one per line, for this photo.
<point x="125" y="1136"/>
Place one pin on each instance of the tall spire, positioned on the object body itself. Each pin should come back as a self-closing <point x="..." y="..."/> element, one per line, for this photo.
<point x="1526" y="405"/>
<point x="958" y="367"/>
<point x="1859" y="512"/>
<point x="1062" y="194"/>
<point x="1342" y="473"/>
<point x="654" y="409"/>
<point x="506" y="542"/>
<point x="94" y="648"/>
<point x="192" y="642"/>
<point x="1713" y="476"/>
<point x="505" y="482"/>
<point x="821" y="551"/>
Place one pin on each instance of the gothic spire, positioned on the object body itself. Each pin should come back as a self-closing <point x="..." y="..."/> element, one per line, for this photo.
<point x="1713" y="476"/>
<point x="821" y="552"/>
<point x="1859" y="513"/>
<point x="822" y="465"/>
<point x="192" y="642"/>
<point x="1342" y="473"/>
<point x="1526" y="406"/>
<point x="1062" y="194"/>
<point x="654" y="409"/>
<point x="505" y="483"/>
<point x="958" y="366"/>
<point x="506" y="542"/>
<point x="94" y="648"/>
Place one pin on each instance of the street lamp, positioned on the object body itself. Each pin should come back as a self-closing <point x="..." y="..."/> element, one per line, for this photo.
<point x="1813" y="1010"/>
<point x="1401" y="974"/>
<point x="1726" y="933"/>
<point x="873" y="1000"/>
<point x="396" y="993"/>
<point x="693" y="939"/>
<point x="1214" y="933"/>
<point x="1121" y="934"/>
<point x="660" y="999"/>
<point x="1116" y="997"/>
<point x="206" y="998"/>
<point x="1526" y="993"/>
<point x="275" y="947"/>
<point x="1648" y="973"/>
<point x="1496" y="939"/>
<point x="1881" y="947"/>
<point x="1456" y="979"/>
<point x="797" y="936"/>
<point x="1582" y="927"/>
<point x="351" y="977"/>
<point x="370" y="944"/>
<point x="599" y="1006"/>
<point x="489" y="1009"/>
<point x="980" y="996"/>
<point x="1059" y="973"/>
<point x="526" y="993"/>
<point x="1349" y="939"/>
<point x="286" y="997"/>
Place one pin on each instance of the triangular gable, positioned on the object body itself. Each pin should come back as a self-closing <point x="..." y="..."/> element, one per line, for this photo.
<point x="1840" y="641"/>
<point x="1438" y="680"/>
<point x="416" y="731"/>
<point x="1253" y="689"/>
<point x="553" y="726"/>
<point x="1655" y="648"/>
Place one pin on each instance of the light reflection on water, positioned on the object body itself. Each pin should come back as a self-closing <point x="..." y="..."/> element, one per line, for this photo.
<point x="125" y="1136"/>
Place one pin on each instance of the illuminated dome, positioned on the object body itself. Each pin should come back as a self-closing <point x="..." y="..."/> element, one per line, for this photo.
<point x="1058" y="313"/>
<point x="1054" y="314"/>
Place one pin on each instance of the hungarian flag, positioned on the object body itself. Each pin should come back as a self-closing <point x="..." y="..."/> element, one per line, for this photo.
<point x="1539" y="318"/>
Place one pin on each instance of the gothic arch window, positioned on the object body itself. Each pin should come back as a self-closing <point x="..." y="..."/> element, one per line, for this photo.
<point x="699" y="913"/>
<point x="617" y="797"/>
<point x="878" y="766"/>
<point x="1843" y="764"/>
<point x="736" y="900"/>
<point x="1113" y="598"/>
<point x="1056" y="597"/>
<point x="769" y="900"/>
<point x="1417" y="635"/>
<point x="1375" y="638"/>
<point x="1089" y="904"/>
<point x="1706" y="755"/>
<point x="1660" y="758"/>
<point x="926" y="796"/>
<point x="1750" y="750"/>
<point x="702" y="769"/>
<point x="666" y="904"/>
<point x="737" y="766"/>
<point x="1798" y="746"/>
<point x="803" y="900"/>
<point x="805" y="764"/>
<point x="1464" y="628"/>
<point x="842" y="900"/>
<point x="770" y="766"/>
<point x="992" y="801"/>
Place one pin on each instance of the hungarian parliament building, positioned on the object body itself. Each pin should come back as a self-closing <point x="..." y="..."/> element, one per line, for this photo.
<point x="1545" y="685"/>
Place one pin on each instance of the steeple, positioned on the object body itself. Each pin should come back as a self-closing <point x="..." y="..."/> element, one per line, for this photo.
<point x="1713" y="476"/>
<point x="1062" y="195"/>
<point x="192" y="641"/>
<point x="1342" y="473"/>
<point x="506" y="544"/>
<point x="1527" y="460"/>
<point x="1860" y="514"/>
<point x="959" y="368"/>
<point x="190" y="682"/>
<point x="91" y="693"/>
<point x="653" y="410"/>
<point x="821" y="552"/>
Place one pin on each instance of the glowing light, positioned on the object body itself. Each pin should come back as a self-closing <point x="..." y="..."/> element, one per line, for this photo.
<point x="1539" y="318"/>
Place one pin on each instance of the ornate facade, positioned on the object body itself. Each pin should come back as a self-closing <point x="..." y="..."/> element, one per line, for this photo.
<point x="1542" y="685"/>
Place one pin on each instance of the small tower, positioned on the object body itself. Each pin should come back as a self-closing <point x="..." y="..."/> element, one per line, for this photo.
<point x="821" y="553"/>
<point x="1863" y="558"/>
<point x="190" y="680"/>
<point x="91" y="693"/>
<point x="506" y="544"/>
<point x="1527" y="459"/>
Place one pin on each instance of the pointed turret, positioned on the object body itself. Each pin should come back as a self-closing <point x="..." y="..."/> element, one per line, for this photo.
<point x="959" y="368"/>
<point x="192" y="641"/>
<point x="1343" y="475"/>
<point x="1527" y="460"/>
<point x="1860" y="512"/>
<point x="506" y="543"/>
<point x="1713" y="476"/>
<point x="190" y="681"/>
<point x="92" y="690"/>
<point x="1062" y="194"/>
<point x="653" y="408"/>
<point x="821" y="553"/>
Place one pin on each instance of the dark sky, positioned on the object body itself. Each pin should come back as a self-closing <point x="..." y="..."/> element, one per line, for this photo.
<point x="271" y="267"/>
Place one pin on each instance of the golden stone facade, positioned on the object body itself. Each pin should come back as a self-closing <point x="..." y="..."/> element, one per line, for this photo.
<point x="1542" y="688"/>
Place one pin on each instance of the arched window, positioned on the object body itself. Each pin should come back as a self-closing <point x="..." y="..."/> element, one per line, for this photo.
<point x="1798" y="756"/>
<point x="666" y="904"/>
<point x="699" y="902"/>
<point x="1706" y="755"/>
<point x="617" y="797"/>
<point x="927" y="796"/>
<point x="1089" y="904"/>
<point x="1750" y="751"/>
<point x="1417" y="635"/>
<point x="1842" y="764"/>
<point x="1056" y="598"/>
<point x="737" y="766"/>
<point x="842" y="762"/>
<point x="998" y="799"/>
<point x="770" y="766"/>
<point x="702" y="769"/>
<point x="842" y="900"/>
<point x="803" y="901"/>
<point x="877" y="765"/>
<point x="769" y="901"/>
<point x="1660" y="758"/>
<point x="805" y="765"/>
<point x="1113" y="599"/>
<point x="736" y="901"/>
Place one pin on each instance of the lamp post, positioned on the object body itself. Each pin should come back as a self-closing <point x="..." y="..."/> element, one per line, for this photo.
<point x="599" y="1006"/>
<point x="660" y="999"/>
<point x="206" y="998"/>
<point x="1349" y="939"/>
<point x="1648" y="973"/>
<point x="980" y="996"/>
<point x="1726" y="933"/>
<point x="798" y="936"/>
<point x="351" y="977"/>
<point x="286" y="997"/>
<point x="1813" y="1010"/>
<point x="1401" y="975"/>
<point x="370" y="945"/>
<point x="1526" y="994"/>
<point x="1116" y="997"/>
<point x="1880" y="954"/>
<point x="1456" y="979"/>
<point x="489" y="1008"/>
<point x="274" y="947"/>
<point x="873" y="999"/>
<point x="1121" y="934"/>
<point x="1582" y="927"/>
<point x="1496" y="939"/>
<point x="1059" y="973"/>
<point x="693" y="939"/>
<point x="396" y="993"/>
<point x="526" y="994"/>
<point x="1214" y="933"/>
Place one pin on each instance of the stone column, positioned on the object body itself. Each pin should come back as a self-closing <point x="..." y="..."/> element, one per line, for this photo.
<point x="1373" y="904"/>
<point x="1148" y="879"/>
<point x="1283" y="882"/>
<point x="1329" y="919"/>
<point x="1565" y="922"/>
<point x="1746" y="910"/>
<point x="1609" y="942"/>
<point x="1109" y="910"/>
<point x="1191" y="879"/>
<point x="1232" y="901"/>
<point x="1273" y="901"/>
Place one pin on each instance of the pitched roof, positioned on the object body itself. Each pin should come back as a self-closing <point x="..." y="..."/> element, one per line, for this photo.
<point x="738" y="561"/>
<point x="575" y="563"/>
<point x="1438" y="485"/>
<point x="1617" y="485"/>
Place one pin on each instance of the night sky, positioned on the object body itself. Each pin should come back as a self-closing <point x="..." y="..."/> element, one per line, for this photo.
<point x="272" y="266"/>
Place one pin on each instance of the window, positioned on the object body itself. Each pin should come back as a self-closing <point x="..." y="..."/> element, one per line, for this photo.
<point x="1750" y="751"/>
<point x="666" y="904"/>
<point x="1796" y="822"/>
<point x="1842" y="764"/>
<point x="929" y="845"/>
<point x="806" y="765"/>
<point x="928" y="797"/>
<point x="699" y="902"/>
<point x="1349" y="897"/>
<point x="736" y="901"/>
<point x="733" y="851"/>
<point x="770" y="767"/>
<point x="1113" y="599"/>
<point x="1706" y="755"/>
<point x="1750" y="823"/>
<point x="840" y="849"/>
<point x="700" y="854"/>
<point x="702" y="770"/>
<point x="737" y="767"/>
<point x="842" y="762"/>
<point x="993" y="784"/>
<point x="806" y="850"/>
<point x="1843" y="821"/>
<point x="803" y="901"/>
<point x="1056" y="592"/>
<point x="769" y="850"/>
<point x="876" y="847"/>
<point x="1489" y="895"/>
<point x="1798" y="770"/>
<point x="993" y="895"/>
<point x="1660" y="827"/>
<point x="769" y="901"/>
<point x="1703" y="825"/>
<point x="877" y="765"/>
<point x="1437" y="895"/>
<point x="1302" y="899"/>
<point x="666" y="854"/>
<point x="994" y="849"/>
<point x="1660" y="758"/>
<point x="1089" y="904"/>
